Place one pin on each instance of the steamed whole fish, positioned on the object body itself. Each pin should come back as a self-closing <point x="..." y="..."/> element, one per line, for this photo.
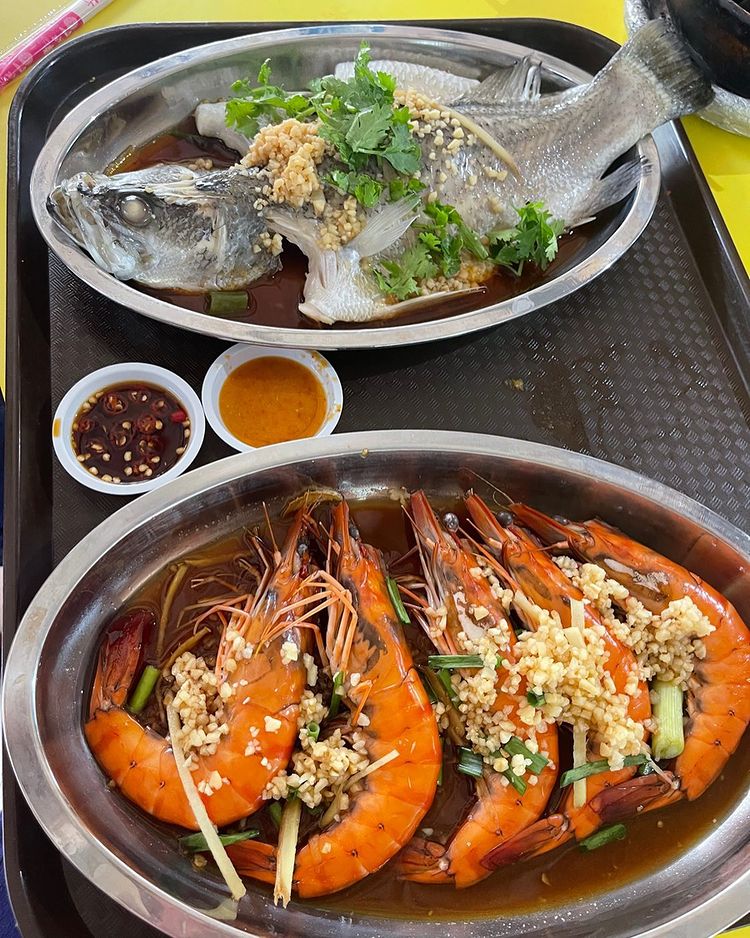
<point x="493" y="149"/>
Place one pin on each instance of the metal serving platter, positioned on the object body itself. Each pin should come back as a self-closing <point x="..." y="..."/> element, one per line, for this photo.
<point x="137" y="107"/>
<point x="139" y="866"/>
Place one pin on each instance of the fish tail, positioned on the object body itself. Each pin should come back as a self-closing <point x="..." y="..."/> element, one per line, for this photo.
<point x="659" y="48"/>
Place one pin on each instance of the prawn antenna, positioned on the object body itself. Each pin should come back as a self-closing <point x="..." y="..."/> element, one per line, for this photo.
<point x="495" y="489"/>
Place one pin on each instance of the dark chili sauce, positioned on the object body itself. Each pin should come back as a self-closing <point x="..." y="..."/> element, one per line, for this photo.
<point x="130" y="432"/>
<point x="273" y="299"/>
<point x="563" y="875"/>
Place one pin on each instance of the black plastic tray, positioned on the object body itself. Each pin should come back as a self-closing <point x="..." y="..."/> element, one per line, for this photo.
<point x="648" y="366"/>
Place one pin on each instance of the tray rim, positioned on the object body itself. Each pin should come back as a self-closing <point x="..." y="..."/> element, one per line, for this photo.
<point x="717" y="263"/>
<point x="45" y="172"/>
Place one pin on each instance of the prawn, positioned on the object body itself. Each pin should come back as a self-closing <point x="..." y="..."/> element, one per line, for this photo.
<point x="610" y="795"/>
<point x="718" y="691"/>
<point x="365" y="643"/>
<point x="262" y="701"/>
<point x="499" y="811"/>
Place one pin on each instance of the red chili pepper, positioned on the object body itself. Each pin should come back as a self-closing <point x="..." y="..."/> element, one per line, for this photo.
<point x="178" y="416"/>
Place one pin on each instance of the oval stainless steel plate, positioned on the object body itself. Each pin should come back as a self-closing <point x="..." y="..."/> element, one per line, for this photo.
<point x="138" y="864"/>
<point x="135" y="108"/>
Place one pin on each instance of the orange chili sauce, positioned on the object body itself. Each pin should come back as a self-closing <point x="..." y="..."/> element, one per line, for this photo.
<point x="272" y="399"/>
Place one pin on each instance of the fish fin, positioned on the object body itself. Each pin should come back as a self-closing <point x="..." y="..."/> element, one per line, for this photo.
<point x="211" y="121"/>
<point x="611" y="189"/>
<point x="388" y="310"/>
<point x="658" y="47"/>
<point x="385" y="227"/>
<point x="520" y="82"/>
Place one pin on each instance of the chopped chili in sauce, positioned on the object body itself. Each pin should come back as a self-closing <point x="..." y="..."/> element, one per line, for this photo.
<point x="130" y="432"/>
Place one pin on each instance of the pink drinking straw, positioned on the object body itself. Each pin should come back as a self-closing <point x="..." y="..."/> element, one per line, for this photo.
<point x="30" y="49"/>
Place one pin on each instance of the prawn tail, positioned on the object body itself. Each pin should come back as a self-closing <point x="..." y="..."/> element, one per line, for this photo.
<point x="118" y="660"/>
<point x="636" y="795"/>
<point x="254" y="859"/>
<point x="544" y="835"/>
<point x="421" y="861"/>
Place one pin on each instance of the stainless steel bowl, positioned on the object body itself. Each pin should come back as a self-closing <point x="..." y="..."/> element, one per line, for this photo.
<point x="133" y="109"/>
<point x="133" y="861"/>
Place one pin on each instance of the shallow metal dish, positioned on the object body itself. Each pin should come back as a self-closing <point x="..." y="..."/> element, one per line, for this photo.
<point x="135" y="108"/>
<point x="134" y="862"/>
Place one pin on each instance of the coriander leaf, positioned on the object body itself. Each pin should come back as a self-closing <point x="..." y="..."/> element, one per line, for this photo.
<point x="399" y="280"/>
<point x="399" y="188"/>
<point x="533" y="239"/>
<point x="264" y="74"/>
<point x="367" y="191"/>
<point x="369" y="129"/>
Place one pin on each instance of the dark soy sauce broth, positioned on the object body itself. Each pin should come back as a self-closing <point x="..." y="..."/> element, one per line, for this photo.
<point x="273" y="300"/>
<point x="567" y="874"/>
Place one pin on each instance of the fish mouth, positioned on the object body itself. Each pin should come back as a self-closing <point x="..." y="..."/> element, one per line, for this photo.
<point x="86" y="227"/>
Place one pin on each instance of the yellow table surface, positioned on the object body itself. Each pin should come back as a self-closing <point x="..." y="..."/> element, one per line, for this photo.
<point x="724" y="158"/>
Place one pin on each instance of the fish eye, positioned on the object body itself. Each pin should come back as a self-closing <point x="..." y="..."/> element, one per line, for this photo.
<point x="135" y="211"/>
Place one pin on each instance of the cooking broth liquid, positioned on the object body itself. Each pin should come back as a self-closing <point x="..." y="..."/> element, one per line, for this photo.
<point x="561" y="876"/>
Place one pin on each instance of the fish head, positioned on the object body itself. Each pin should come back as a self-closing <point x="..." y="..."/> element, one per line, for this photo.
<point x="166" y="227"/>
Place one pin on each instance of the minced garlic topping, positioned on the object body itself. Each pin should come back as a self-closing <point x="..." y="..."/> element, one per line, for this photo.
<point x="665" y="645"/>
<point x="291" y="152"/>
<point x="199" y="705"/>
<point x="322" y="766"/>
<point x="568" y="666"/>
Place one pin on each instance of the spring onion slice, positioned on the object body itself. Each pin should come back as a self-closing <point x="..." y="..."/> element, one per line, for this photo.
<point x="536" y="700"/>
<point x="336" y="694"/>
<point x="445" y="680"/>
<point x="208" y="830"/>
<point x="451" y="662"/>
<point x="431" y="695"/>
<point x="197" y="842"/>
<point x="143" y="689"/>
<point x="395" y="597"/>
<point x="516" y="781"/>
<point x="605" y="836"/>
<point x="669" y="737"/>
<point x="231" y="301"/>
<point x="313" y="731"/>
<point x="274" y="809"/>
<point x="595" y="768"/>
<point x="470" y="763"/>
<point x="286" y="852"/>
<point x="515" y="747"/>
<point x="579" y="760"/>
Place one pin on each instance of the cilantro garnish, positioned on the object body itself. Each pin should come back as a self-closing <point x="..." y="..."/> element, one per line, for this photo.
<point x="441" y="241"/>
<point x="264" y="100"/>
<point x="358" y="116"/>
<point x="400" y="280"/>
<point x="366" y="189"/>
<point x="399" y="188"/>
<point x="533" y="239"/>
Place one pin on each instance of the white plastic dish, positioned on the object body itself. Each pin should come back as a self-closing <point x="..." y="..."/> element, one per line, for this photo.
<point x="237" y="355"/>
<point x="122" y="373"/>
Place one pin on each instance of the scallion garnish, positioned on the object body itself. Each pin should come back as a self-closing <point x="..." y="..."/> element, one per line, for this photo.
<point x="313" y="731"/>
<point x="196" y="843"/>
<point x="669" y="736"/>
<point x="451" y="662"/>
<point x="536" y="700"/>
<point x="431" y="695"/>
<point x="515" y="747"/>
<point x="516" y="781"/>
<point x="647" y="768"/>
<point x="595" y="768"/>
<point x="274" y="809"/>
<point x="605" y="836"/>
<point x="143" y="689"/>
<point x="228" y="301"/>
<point x="470" y="763"/>
<point x="398" y="606"/>
<point x="336" y="693"/>
<point x="445" y="680"/>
